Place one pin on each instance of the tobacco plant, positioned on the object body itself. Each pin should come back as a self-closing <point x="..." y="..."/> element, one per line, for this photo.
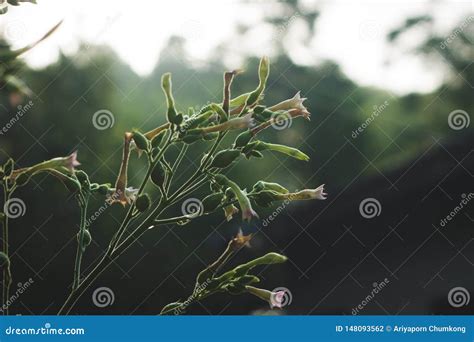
<point x="243" y="117"/>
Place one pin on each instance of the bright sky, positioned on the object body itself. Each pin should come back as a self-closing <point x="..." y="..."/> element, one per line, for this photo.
<point x="349" y="32"/>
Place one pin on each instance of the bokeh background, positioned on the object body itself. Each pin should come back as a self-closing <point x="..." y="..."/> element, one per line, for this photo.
<point x="412" y="59"/>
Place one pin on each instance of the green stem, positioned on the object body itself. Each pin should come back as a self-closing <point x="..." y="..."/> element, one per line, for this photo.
<point x="115" y="249"/>
<point x="7" y="277"/>
<point x="116" y="239"/>
<point x="80" y="243"/>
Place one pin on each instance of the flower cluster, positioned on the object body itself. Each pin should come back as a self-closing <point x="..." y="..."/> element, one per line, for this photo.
<point x="244" y="116"/>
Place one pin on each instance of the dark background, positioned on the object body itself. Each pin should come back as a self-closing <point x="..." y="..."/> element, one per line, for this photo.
<point x="408" y="158"/>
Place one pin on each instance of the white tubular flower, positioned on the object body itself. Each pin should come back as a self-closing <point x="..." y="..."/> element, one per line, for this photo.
<point x="296" y="102"/>
<point x="306" y="194"/>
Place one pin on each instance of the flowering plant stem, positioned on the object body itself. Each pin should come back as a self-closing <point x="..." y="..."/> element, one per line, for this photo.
<point x="7" y="277"/>
<point x="83" y="202"/>
<point x="211" y="123"/>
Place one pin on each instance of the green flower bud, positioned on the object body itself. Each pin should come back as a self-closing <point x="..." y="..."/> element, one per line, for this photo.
<point x="243" y="139"/>
<point x="263" y="72"/>
<point x="143" y="202"/>
<point x="212" y="201"/>
<point x="289" y="151"/>
<point x="86" y="239"/>
<point x="159" y="174"/>
<point x="197" y="120"/>
<point x="4" y="261"/>
<point x="261" y="185"/>
<point x="141" y="141"/>
<point x="172" y="116"/>
<point x="267" y="259"/>
<point x="224" y="158"/>
<point x="8" y="167"/>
